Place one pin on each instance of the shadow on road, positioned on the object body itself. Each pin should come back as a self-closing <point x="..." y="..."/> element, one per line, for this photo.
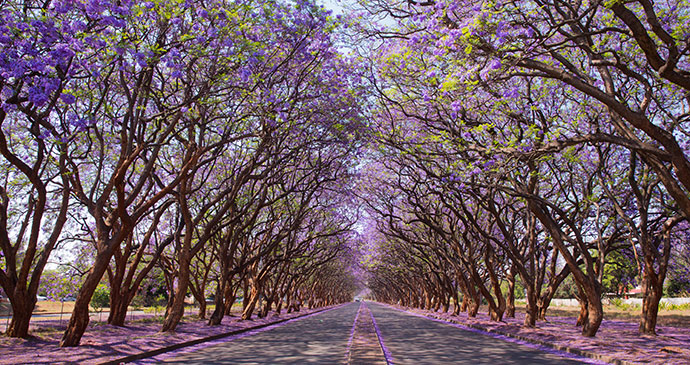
<point x="321" y="339"/>
<point x="415" y="340"/>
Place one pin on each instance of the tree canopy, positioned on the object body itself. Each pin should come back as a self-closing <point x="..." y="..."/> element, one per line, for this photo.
<point x="435" y="152"/>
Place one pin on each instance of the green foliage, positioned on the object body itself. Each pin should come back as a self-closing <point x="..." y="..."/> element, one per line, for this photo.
<point x="620" y="304"/>
<point x="619" y="272"/>
<point x="101" y="297"/>
<point x="676" y="288"/>
<point x="671" y="307"/>
<point x="567" y="289"/>
<point x="519" y="289"/>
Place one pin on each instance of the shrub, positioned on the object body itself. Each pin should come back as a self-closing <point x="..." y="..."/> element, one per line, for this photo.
<point x="101" y="297"/>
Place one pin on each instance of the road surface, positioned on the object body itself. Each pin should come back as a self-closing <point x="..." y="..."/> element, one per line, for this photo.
<point x="326" y="338"/>
<point x="418" y="340"/>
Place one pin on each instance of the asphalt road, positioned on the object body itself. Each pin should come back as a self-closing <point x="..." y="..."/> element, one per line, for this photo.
<point x="319" y="339"/>
<point x="323" y="339"/>
<point x="416" y="340"/>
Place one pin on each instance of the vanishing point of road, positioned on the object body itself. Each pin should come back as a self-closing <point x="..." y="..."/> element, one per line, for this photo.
<point x="366" y="333"/>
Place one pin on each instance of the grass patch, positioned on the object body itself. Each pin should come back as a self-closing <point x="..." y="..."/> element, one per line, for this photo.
<point x="156" y="319"/>
<point x="159" y="309"/>
<point x="674" y="307"/>
<point x="620" y="304"/>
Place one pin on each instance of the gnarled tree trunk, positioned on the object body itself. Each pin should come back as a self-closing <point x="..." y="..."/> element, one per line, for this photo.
<point x="80" y="315"/>
<point x="23" y="305"/>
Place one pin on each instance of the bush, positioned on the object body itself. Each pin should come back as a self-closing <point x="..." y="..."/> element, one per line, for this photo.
<point x="670" y="306"/>
<point x="616" y="302"/>
<point x="101" y="297"/>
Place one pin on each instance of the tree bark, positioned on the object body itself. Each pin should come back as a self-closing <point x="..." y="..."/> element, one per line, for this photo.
<point x="652" y="289"/>
<point x="650" y="310"/>
<point x="219" y="311"/>
<point x="80" y="315"/>
<point x="118" y="308"/>
<point x="532" y="309"/>
<point x="22" y="308"/>
<point x="251" y="303"/>
<point x="177" y="309"/>
<point x="510" y="309"/>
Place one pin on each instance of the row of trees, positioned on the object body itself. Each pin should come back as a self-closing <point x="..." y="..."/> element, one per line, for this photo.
<point x="530" y="141"/>
<point x="181" y="136"/>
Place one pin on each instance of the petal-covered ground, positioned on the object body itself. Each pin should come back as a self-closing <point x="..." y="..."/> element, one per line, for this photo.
<point x="105" y="342"/>
<point x="616" y="340"/>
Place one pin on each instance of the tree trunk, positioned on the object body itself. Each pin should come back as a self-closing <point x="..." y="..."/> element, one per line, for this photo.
<point x="437" y="303"/>
<point x="118" y="308"/>
<point x="177" y="309"/>
<point x="650" y="303"/>
<point x="456" y="303"/>
<point x="251" y="303"/>
<point x="588" y="286"/>
<point x="544" y="299"/>
<point x="219" y="310"/>
<point x="475" y="301"/>
<point x="446" y="304"/>
<point x="202" y="308"/>
<point x="229" y="302"/>
<point x="584" y="314"/>
<point x="497" y="307"/>
<point x="80" y="315"/>
<point x="594" y="316"/>
<point x="279" y="305"/>
<point x="245" y="297"/>
<point x="199" y="298"/>
<point x="169" y="303"/>
<point x="510" y="310"/>
<point x="531" y="308"/>
<point x="266" y="308"/>
<point x="22" y="308"/>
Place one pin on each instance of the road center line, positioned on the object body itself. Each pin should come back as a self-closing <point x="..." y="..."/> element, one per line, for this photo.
<point x="365" y="346"/>
<point x="386" y="354"/>
<point x="352" y="335"/>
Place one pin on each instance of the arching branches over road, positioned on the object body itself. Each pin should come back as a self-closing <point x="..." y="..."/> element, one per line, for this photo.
<point x="534" y="141"/>
<point x="197" y="138"/>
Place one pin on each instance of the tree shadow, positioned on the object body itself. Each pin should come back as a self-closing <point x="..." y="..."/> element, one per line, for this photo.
<point x="414" y="340"/>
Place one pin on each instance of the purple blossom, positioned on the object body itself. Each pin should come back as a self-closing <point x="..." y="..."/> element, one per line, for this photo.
<point x="512" y="93"/>
<point x="37" y="96"/>
<point x="245" y="74"/>
<point x="67" y="98"/>
<point x="456" y="106"/>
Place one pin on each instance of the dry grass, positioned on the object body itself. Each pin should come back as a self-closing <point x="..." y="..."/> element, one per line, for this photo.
<point x="43" y="306"/>
<point x="49" y="306"/>
<point x="672" y="318"/>
<point x="666" y="317"/>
